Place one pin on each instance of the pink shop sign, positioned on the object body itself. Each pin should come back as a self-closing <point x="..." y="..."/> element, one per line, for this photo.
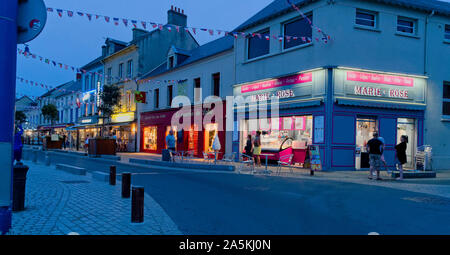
<point x="275" y="83"/>
<point x="380" y="78"/>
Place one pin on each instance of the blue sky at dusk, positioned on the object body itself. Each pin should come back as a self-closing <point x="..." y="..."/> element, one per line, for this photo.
<point x="76" y="41"/>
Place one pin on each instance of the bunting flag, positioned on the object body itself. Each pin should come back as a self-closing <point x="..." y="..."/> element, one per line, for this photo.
<point x="325" y="38"/>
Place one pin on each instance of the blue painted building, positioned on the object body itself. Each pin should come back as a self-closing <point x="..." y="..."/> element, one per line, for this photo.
<point x="384" y="68"/>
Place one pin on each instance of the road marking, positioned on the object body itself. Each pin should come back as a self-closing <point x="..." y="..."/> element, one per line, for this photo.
<point x="73" y="234"/>
<point x="373" y="234"/>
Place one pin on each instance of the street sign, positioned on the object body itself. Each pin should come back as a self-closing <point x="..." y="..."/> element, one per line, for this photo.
<point x="31" y="19"/>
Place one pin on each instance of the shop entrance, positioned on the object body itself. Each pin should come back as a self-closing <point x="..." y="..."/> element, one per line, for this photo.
<point x="365" y="126"/>
<point x="408" y="127"/>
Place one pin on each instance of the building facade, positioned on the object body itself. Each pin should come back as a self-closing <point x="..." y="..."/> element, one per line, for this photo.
<point x="384" y="68"/>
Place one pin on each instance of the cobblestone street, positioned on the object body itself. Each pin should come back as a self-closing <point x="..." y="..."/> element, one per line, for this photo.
<point x="59" y="203"/>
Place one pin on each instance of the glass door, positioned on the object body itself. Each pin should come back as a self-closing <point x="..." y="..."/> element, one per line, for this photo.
<point x="365" y="126"/>
<point x="407" y="127"/>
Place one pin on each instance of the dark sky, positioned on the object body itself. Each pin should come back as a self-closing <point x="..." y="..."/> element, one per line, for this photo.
<point x="76" y="41"/>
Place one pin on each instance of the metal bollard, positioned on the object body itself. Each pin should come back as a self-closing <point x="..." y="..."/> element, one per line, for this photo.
<point x="312" y="173"/>
<point x="47" y="159"/>
<point x="112" y="175"/>
<point x="35" y="156"/>
<point x="137" y="205"/>
<point x="126" y="184"/>
<point x="19" y="185"/>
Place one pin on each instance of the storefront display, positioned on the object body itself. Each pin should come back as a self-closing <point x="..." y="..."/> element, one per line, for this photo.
<point x="150" y="138"/>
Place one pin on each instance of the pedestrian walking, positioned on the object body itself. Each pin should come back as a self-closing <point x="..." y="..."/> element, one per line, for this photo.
<point x="170" y="143"/>
<point x="248" y="150"/>
<point x="400" y="155"/>
<point x="374" y="147"/>
<point x="86" y="143"/>
<point x="64" y="141"/>
<point x="216" y="146"/>
<point x="382" y="153"/>
<point x="257" y="148"/>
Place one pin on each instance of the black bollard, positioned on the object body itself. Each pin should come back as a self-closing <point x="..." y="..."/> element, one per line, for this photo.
<point x="312" y="173"/>
<point x="137" y="205"/>
<point x="19" y="184"/>
<point x="112" y="175"/>
<point x="126" y="184"/>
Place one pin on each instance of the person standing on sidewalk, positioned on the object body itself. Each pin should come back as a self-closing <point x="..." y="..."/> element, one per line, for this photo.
<point x="64" y="141"/>
<point x="382" y="153"/>
<point x="374" y="147"/>
<point x="257" y="148"/>
<point x="86" y="143"/>
<point x="248" y="150"/>
<point x="400" y="155"/>
<point x="170" y="142"/>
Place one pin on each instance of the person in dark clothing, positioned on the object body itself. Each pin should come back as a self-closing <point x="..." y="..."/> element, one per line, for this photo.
<point x="64" y="141"/>
<point x="400" y="155"/>
<point x="248" y="150"/>
<point x="374" y="147"/>
<point x="18" y="144"/>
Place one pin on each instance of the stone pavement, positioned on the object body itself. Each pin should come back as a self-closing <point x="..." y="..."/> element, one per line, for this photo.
<point x="58" y="203"/>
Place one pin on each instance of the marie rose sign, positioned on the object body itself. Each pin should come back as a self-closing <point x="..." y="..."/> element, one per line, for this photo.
<point x="402" y="84"/>
<point x="379" y="92"/>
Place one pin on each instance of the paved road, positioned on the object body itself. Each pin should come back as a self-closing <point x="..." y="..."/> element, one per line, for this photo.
<point x="222" y="203"/>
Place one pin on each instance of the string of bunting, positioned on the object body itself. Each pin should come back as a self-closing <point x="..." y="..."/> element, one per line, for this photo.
<point x="79" y="70"/>
<point x="325" y="37"/>
<point x="147" y="24"/>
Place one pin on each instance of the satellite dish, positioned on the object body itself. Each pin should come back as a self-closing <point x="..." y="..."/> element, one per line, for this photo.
<point x="31" y="19"/>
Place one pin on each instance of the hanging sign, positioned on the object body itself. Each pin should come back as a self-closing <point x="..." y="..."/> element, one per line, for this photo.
<point x="31" y="19"/>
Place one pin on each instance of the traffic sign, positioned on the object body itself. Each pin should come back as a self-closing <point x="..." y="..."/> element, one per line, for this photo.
<point x="31" y="19"/>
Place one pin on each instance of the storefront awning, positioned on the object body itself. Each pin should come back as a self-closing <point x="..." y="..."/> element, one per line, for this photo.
<point x="380" y="104"/>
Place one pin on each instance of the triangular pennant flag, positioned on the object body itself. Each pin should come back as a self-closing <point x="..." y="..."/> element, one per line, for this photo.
<point x="144" y="24"/>
<point x="60" y="12"/>
<point x="134" y="22"/>
<point x="178" y="28"/>
<point x="125" y="22"/>
<point x="211" y="32"/>
<point x="70" y="13"/>
<point x="169" y="28"/>
<point x="116" y="21"/>
<point x="160" y="27"/>
<point x="50" y="9"/>
<point x="194" y="30"/>
<point x="107" y="19"/>
<point x="89" y="16"/>
<point x="80" y="13"/>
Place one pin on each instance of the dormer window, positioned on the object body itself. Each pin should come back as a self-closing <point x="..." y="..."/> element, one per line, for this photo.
<point x="171" y="62"/>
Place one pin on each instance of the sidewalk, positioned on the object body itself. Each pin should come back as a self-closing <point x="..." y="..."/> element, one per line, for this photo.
<point x="58" y="203"/>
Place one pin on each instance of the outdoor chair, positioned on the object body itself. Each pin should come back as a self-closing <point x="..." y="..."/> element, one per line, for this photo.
<point x="207" y="158"/>
<point x="246" y="161"/>
<point x="229" y="158"/>
<point x="285" y="161"/>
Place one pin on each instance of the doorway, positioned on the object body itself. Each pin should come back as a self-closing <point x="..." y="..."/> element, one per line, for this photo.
<point x="408" y="127"/>
<point x="365" y="126"/>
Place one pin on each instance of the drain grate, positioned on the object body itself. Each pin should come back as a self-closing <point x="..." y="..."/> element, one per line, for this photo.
<point x="74" y="182"/>
<point x="429" y="200"/>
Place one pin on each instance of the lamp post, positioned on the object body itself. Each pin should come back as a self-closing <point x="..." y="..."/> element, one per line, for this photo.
<point x="8" y="49"/>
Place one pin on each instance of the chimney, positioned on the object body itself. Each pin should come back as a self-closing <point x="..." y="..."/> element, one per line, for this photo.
<point x="176" y="16"/>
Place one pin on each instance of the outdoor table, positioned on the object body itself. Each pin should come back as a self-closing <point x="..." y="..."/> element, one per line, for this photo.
<point x="267" y="161"/>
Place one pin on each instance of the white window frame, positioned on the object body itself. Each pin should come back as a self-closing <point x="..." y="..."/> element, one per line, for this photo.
<point x="414" y="27"/>
<point x="375" y="18"/>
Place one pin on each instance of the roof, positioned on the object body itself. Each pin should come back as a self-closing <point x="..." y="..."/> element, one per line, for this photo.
<point x="93" y="63"/>
<point x="207" y="50"/>
<point x="280" y="7"/>
<point x="70" y="87"/>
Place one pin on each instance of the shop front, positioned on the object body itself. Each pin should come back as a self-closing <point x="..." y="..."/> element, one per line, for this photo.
<point x="298" y="123"/>
<point x="86" y="127"/>
<point x="156" y="125"/>
<point x="123" y="126"/>
<point x="367" y="101"/>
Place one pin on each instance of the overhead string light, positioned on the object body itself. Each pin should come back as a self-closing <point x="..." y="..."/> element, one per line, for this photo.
<point x="147" y="24"/>
<point x="63" y="66"/>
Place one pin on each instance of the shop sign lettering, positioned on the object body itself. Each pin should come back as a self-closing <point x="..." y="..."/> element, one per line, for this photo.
<point x="280" y="94"/>
<point x="380" y="92"/>
<point x="380" y="79"/>
<point x="280" y="82"/>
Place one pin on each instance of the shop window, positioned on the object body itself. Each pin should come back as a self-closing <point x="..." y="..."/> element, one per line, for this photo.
<point x="447" y="32"/>
<point x="366" y="18"/>
<point x="211" y="130"/>
<point x="406" y="25"/>
<point x="295" y="131"/>
<point x="86" y="82"/>
<point x="216" y="84"/>
<point x="446" y="99"/>
<point x="150" y="138"/>
<point x="365" y="126"/>
<point x="407" y="127"/>
<point x="258" y="46"/>
<point x="297" y="28"/>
